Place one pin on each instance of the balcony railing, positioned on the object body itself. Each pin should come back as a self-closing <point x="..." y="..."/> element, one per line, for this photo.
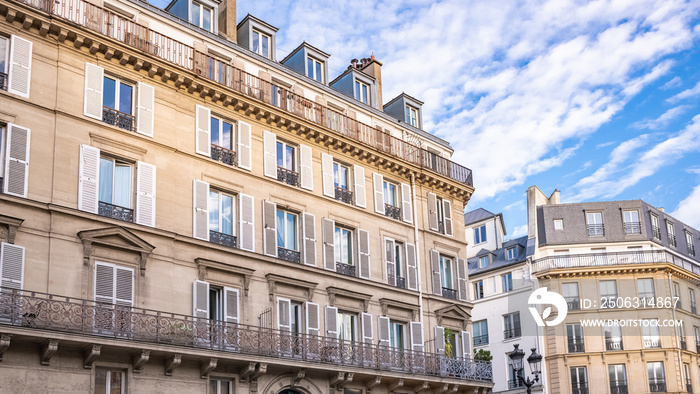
<point x="672" y="240"/>
<point x="115" y="212"/>
<point x="595" y="230"/>
<point x="633" y="228"/>
<point x="618" y="387"/>
<point x="688" y="385"/>
<point x="344" y="195"/>
<point x="481" y="340"/>
<point x="289" y="255"/>
<point x="3" y="81"/>
<point x="579" y="388"/>
<point x="684" y="344"/>
<point x="613" y="344"/>
<point x="392" y="211"/>
<point x="287" y="176"/>
<point x="691" y="249"/>
<point x="652" y="343"/>
<point x="515" y="383"/>
<point x="511" y="333"/>
<point x="573" y="303"/>
<point x="223" y="239"/>
<point x="441" y="227"/>
<point x="656" y="231"/>
<point x="449" y="293"/>
<point x="693" y="308"/>
<point x="697" y="347"/>
<point x="38" y="311"/>
<point x="400" y="282"/>
<point x="221" y="154"/>
<point x="345" y="269"/>
<point x="577" y="346"/>
<point x="657" y="385"/>
<point x="116" y="118"/>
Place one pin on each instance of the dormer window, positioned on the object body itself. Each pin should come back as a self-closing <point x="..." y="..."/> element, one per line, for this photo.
<point x="511" y="253"/>
<point x="362" y="92"/>
<point x="261" y="44"/>
<point x="483" y="261"/>
<point x="256" y="36"/>
<point x="314" y="69"/>
<point x="411" y="116"/>
<point x="201" y="13"/>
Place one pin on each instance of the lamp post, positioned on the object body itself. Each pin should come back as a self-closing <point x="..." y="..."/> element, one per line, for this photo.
<point x="534" y="360"/>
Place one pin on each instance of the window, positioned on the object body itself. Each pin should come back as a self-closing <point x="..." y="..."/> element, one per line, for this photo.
<point x="343" y="246"/>
<point x="342" y="182"/>
<point x="689" y="242"/>
<point x="510" y="252"/>
<point x="650" y="333"/>
<point x="113" y="285"/>
<point x="671" y="233"/>
<point x="222" y="135"/>
<point x="579" y="380"/>
<point x="297" y="320"/>
<point x="511" y="324"/>
<point x="362" y="92"/>
<point x="688" y="381"/>
<point x="677" y="295"/>
<point x="391" y="196"/>
<point x="286" y="164"/>
<point x="608" y="291"/>
<point x="221" y="213"/>
<point x="110" y="381"/>
<point x="4" y="61"/>
<point x="201" y="15"/>
<point x="681" y="337"/>
<point x="595" y="224"/>
<point x="483" y="261"/>
<point x="481" y="333"/>
<point x="618" y="378"/>
<point x="261" y="43"/>
<point x="514" y="380"/>
<point x="287" y="232"/>
<point x="480" y="234"/>
<point x="574" y="336"/>
<point x="446" y="272"/>
<point x="396" y="271"/>
<point x="657" y="379"/>
<point x="558" y="224"/>
<point x="115" y="189"/>
<point x="691" y="296"/>
<point x="314" y="69"/>
<point x="479" y="290"/>
<point x="397" y="335"/>
<point x="645" y="287"/>
<point x="696" y="331"/>
<point x="656" y="230"/>
<point x="220" y="386"/>
<point x="507" y="282"/>
<point x="570" y="293"/>
<point x="347" y="326"/>
<point x="411" y="116"/>
<point x="118" y="103"/>
<point x="450" y="343"/>
<point x="613" y="337"/>
<point x="15" y="76"/>
<point x="632" y="224"/>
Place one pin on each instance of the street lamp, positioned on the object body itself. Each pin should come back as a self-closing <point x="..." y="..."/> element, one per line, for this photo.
<point x="534" y="360"/>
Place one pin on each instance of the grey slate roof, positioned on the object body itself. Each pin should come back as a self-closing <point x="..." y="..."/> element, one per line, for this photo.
<point x="477" y="215"/>
<point x="499" y="256"/>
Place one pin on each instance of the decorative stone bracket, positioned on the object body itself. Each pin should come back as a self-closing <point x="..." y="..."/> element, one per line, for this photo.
<point x="341" y="380"/>
<point x="4" y="344"/>
<point x="48" y="349"/>
<point x="207" y="367"/>
<point x="91" y="354"/>
<point x="140" y="360"/>
<point x="171" y="362"/>
<point x="9" y="227"/>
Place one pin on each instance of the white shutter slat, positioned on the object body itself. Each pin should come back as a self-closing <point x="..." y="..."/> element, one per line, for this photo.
<point x="313" y="319"/>
<point x="411" y="267"/>
<point x="104" y="282"/>
<point x="146" y="194"/>
<point x="417" y="336"/>
<point x="384" y="328"/>
<point x="367" y="329"/>
<point x="462" y="280"/>
<point x="284" y="307"/>
<point x="89" y="181"/>
<point x="328" y="179"/>
<point x="12" y="266"/>
<point x="363" y="249"/>
<point x="328" y="244"/>
<point x="439" y="340"/>
<point x="406" y="208"/>
<point x="145" y="109"/>
<point x="270" y="159"/>
<point x="432" y="212"/>
<point x="390" y="259"/>
<point x="378" y="193"/>
<point x="307" y="170"/>
<point x="124" y="289"/>
<point x="360" y="190"/>
<point x="200" y="219"/>
<point x="200" y="300"/>
<point x="309" y="222"/>
<point x="447" y="210"/>
<point x="270" y="228"/>
<point x="435" y="268"/>
<point x="231" y="305"/>
<point x="247" y="215"/>
<point x="203" y="130"/>
<point x="20" y="72"/>
<point x="94" y="86"/>
<point x="332" y="321"/>
<point x="467" y="345"/>
<point x="17" y="160"/>
<point x="245" y="155"/>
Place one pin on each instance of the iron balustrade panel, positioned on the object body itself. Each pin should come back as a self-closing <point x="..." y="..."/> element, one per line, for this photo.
<point x="511" y="333"/>
<point x="289" y="255"/>
<point x="691" y="249"/>
<point x="573" y="303"/>
<point x="614" y="344"/>
<point x="79" y="316"/>
<point x="481" y="340"/>
<point x="3" y="81"/>
<point x="657" y="385"/>
<point x="656" y="231"/>
<point x="515" y="383"/>
<point x="652" y="343"/>
<point x="618" y="387"/>
<point x="449" y="293"/>
<point x="401" y="282"/>
<point x="672" y="240"/>
<point x="344" y="195"/>
<point x="116" y="118"/>
<point x="684" y="344"/>
<point x="688" y="385"/>
<point x="345" y="269"/>
<point x="392" y="211"/>
<point x="633" y="227"/>
<point x="581" y="388"/>
<point x="223" y="239"/>
<point x="115" y="212"/>
<point x="697" y="347"/>
<point x="596" y="230"/>
<point x="223" y="155"/>
<point x="287" y="176"/>
<point x="693" y="309"/>
<point x="576" y="347"/>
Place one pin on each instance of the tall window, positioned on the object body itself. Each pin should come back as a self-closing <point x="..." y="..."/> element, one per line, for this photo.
<point x="645" y="287"/>
<point x="483" y="261"/>
<point x="657" y="378"/>
<point x="613" y="337"/>
<point x="691" y="296"/>
<point x="287" y="230"/>
<point x="391" y="194"/>
<point x="574" y="336"/>
<point x="570" y="293"/>
<point x="696" y="332"/>
<point x="221" y="212"/>
<point x="4" y="59"/>
<point x="481" y="333"/>
<point x="480" y="234"/>
<point x="411" y="116"/>
<point x="677" y="294"/>
<point x="670" y="229"/>
<point x="118" y="95"/>
<point x="341" y="176"/>
<point x="446" y="272"/>
<point x="347" y="326"/>
<point x="343" y="246"/>
<point x="479" y="290"/>
<point x="115" y="182"/>
<point x="650" y="333"/>
<point x="618" y="378"/>
<point x="201" y="15"/>
<point x="511" y="324"/>
<point x="314" y="68"/>
<point x="632" y="225"/>
<point x="398" y="264"/>
<point x="222" y="133"/>
<point x="608" y="291"/>
<point x="510" y="252"/>
<point x="507" y="282"/>
<point x="579" y="380"/>
<point x="261" y="44"/>
<point x="398" y="335"/>
<point x="110" y="381"/>
<point x="220" y="386"/>
<point x="362" y="92"/>
<point x="688" y="381"/>
<point x="286" y="156"/>
<point x="595" y="223"/>
<point x="558" y="224"/>
<point x="689" y="242"/>
<point x="655" y="229"/>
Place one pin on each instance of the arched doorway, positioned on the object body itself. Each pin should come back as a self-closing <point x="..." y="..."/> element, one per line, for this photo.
<point x="290" y="391"/>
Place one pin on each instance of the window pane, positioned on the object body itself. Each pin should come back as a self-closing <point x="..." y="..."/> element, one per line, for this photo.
<point x="227" y="136"/>
<point x="336" y="174"/>
<point x="319" y="75"/>
<point x="344" y="246"/>
<point x="364" y="94"/>
<point x="115" y="384"/>
<point x="227" y="215"/>
<point x="310" y="68"/>
<point x="214" y="211"/>
<point x="122" y="186"/>
<point x="265" y="46"/>
<point x="280" y="229"/>
<point x="206" y="19"/>
<point x="215" y="131"/>
<point x="280" y="154"/>
<point x="256" y="42"/>
<point x="109" y="94"/>
<point x="125" y="98"/>
<point x="106" y="180"/>
<point x="3" y="54"/>
<point x="291" y="231"/>
<point x="357" y="90"/>
<point x="289" y="159"/>
<point x="337" y="245"/>
<point x="100" y="381"/>
<point x="212" y="386"/>
<point x="195" y="14"/>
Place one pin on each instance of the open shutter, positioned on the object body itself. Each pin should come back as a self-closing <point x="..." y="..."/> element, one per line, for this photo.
<point x="411" y="267"/>
<point x="435" y="268"/>
<point x="146" y="194"/>
<point x="145" y="107"/>
<point x="383" y="327"/>
<point x="270" y="159"/>
<point x="447" y="211"/>
<point x="94" y="85"/>
<point x="313" y="319"/>
<point x="462" y="280"/>
<point x="363" y="249"/>
<point x="244" y="143"/>
<point x="332" y="321"/>
<point x="406" y="208"/>
<point x="270" y="228"/>
<point x="309" y="230"/>
<point x="89" y="180"/>
<point x="200" y="301"/>
<point x="284" y="308"/>
<point x="360" y="191"/>
<point x="367" y="329"/>
<point x="432" y="212"/>
<point x="231" y="305"/>
<point x="390" y="259"/>
<point x="328" y="180"/>
<point x="378" y="193"/>
<point x="417" y="336"/>
<point x="247" y="215"/>
<point x="124" y="290"/>
<point x="307" y="169"/>
<point x="201" y="210"/>
<point x="203" y="130"/>
<point x="12" y="266"/>
<point x="104" y="282"/>
<point x="20" y="72"/>
<point x="466" y="345"/>
<point x="17" y="160"/>
<point x="439" y="340"/>
<point x="328" y="244"/>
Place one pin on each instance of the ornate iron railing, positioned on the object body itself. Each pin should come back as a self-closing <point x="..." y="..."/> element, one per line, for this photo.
<point x="579" y="388"/>
<point x="573" y="303"/>
<point x="515" y="383"/>
<point x="401" y="282"/>
<point x="633" y="228"/>
<point x="691" y="249"/>
<point x="689" y="385"/>
<point x="693" y="308"/>
<point x="611" y="259"/>
<point x="287" y="176"/>
<point x="288" y="255"/>
<point x="116" y="118"/>
<point x="39" y="311"/>
<point x="3" y="81"/>
<point x="344" y="195"/>
<point x="392" y="211"/>
<point x="511" y="333"/>
<point x="672" y="240"/>
<point x="595" y="230"/>
<point x="575" y="345"/>
<point x="345" y="269"/>
<point x="481" y="340"/>
<point x="618" y="387"/>
<point x="115" y="212"/>
<point x="226" y="156"/>
<point x="441" y="227"/>
<point x="657" y="385"/>
<point x="652" y="343"/>
<point x="223" y="239"/>
<point x="656" y="231"/>
<point x="613" y="344"/>
<point x="684" y="344"/>
<point x="449" y="293"/>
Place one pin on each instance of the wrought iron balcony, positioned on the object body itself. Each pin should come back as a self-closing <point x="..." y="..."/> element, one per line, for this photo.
<point x="287" y="176"/>
<point x="441" y="227"/>
<point x="515" y="383"/>
<point x="511" y="333"/>
<point x="697" y="347"/>
<point x="85" y="318"/>
<point x="226" y="156"/>
<point x="481" y="340"/>
<point x="3" y="81"/>
<point x="579" y="388"/>
<point x="115" y="212"/>
<point x="116" y="118"/>
<point x="672" y="240"/>
<point x="392" y="211"/>
<point x="618" y="387"/>
<point x="345" y="269"/>
<point x="613" y="344"/>
<point x="344" y="195"/>
<point x="449" y="293"/>
<point x="289" y="255"/>
<point x="684" y="344"/>
<point x="576" y="345"/>
<point x="689" y="385"/>
<point x="657" y="385"/>
<point x="691" y="249"/>
<point x="656" y="231"/>
<point x="652" y="343"/>
<point x="573" y="303"/>
<point x="596" y="230"/>
<point x="633" y="228"/>
<point x="400" y="282"/>
<point x="223" y="239"/>
<point x="693" y="308"/>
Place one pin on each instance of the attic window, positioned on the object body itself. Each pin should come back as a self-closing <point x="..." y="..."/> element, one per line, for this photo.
<point x="511" y="253"/>
<point x="558" y="224"/>
<point x="483" y="261"/>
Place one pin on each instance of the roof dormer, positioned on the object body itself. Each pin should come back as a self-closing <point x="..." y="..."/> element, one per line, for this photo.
<point x="310" y="61"/>
<point x="357" y="84"/>
<point x="257" y="36"/>
<point x="201" y="13"/>
<point x="407" y="109"/>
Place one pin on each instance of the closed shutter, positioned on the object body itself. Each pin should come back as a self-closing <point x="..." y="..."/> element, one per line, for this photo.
<point x="200" y="300"/>
<point x="94" y="85"/>
<point x="435" y="268"/>
<point x="447" y="211"/>
<point x="146" y="194"/>
<point x="411" y="267"/>
<point x="307" y="169"/>
<point x="462" y="280"/>
<point x="145" y="108"/>
<point x="439" y="340"/>
<point x="231" y="305"/>
<point x="328" y="244"/>
<point x="360" y="191"/>
<point x="104" y="282"/>
<point x="417" y="336"/>
<point x="309" y="224"/>
<point x="20" y="72"/>
<point x="363" y="249"/>
<point x="328" y="180"/>
<point x="89" y="179"/>
<point x="390" y="259"/>
<point x="313" y="319"/>
<point x="201" y="210"/>
<point x="406" y="208"/>
<point x="17" y="160"/>
<point x="247" y="215"/>
<point x="367" y="329"/>
<point x="12" y="266"/>
<point x="270" y="228"/>
<point x="284" y="307"/>
<point x="270" y="159"/>
<point x="466" y="345"/>
<point x="124" y="286"/>
<point x="203" y="131"/>
<point x="384" y="327"/>
<point x="432" y="212"/>
<point x="244" y="144"/>
<point x="378" y="193"/>
<point x="332" y="321"/>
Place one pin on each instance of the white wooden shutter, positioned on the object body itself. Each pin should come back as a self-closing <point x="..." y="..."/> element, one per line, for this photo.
<point x="462" y="280"/>
<point x="247" y="215"/>
<point x="200" y="300"/>
<point x="124" y="286"/>
<point x="313" y="319"/>
<point x="332" y="321"/>
<point x="432" y="212"/>
<point x="89" y="179"/>
<point x="406" y="208"/>
<point x="145" y="109"/>
<point x="94" y="85"/>
<point x="146" y="194"/>
<point x="447" y="212"/>
<point x="439" y="340"/>
<point x="378" y="193"/>
<point x="203" y="131"/>
<point x="270" y="159"/>
<point x="328" y="179"/>
<point x="360" y="191"/>
<point x="309" y="234"/>
<point x="383" y="328"/>
<point x="466" y="345"/>
<point x="363" y="249"/>
<point x="200" y="218"/>
<point x="244" y="144"/>
<point x="284" y="312"/>
<point x="367" y="329"/>
<point x="270" y="228"/>
<point x="435" y="268"/>
<point x="328" y="244"/>
<point x="12" y="266"/>
<point x="231" y="305"/>
<point x="417" y="336"/>
<point x="17" y="160"/>
<point x="411" y="267"/>
<point x="20" y="72"/>
<point x="104" y="282"/>
<point x="307" y="169"/>
<point x="390" y="259"/>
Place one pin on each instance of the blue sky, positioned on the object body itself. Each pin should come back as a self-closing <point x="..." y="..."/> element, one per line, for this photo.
<point x="598" y="99"/>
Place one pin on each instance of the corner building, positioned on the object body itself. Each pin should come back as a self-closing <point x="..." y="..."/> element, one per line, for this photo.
<point x="182" y="213"/>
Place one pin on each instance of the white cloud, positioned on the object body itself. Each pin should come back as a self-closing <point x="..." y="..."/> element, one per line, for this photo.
<point x="688" y="93"/>
<point x="519" y="231"/>
<point x="688" y="210"/>
<point x="672" y="83"/>
<point x="662" y="121"/>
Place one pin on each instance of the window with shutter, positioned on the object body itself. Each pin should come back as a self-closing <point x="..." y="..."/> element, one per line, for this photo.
<point x="328" y="244"/>
<point x="363" y="252"/>
<point x="286" y="158"/>
<point x="287" y="236"/>
<point x="88" y="182"/>
<point x="306" y="164"/>
<point x="247" y="223"/>
<point x="117" y="107"/>
<point x="342" y="183"/>
<point x="309" y="221"/>
<point x="145" y="108"/>
<point x="15" y="147"/>
<point x="367" y="331"/>
<point x="360" y="193"/>
<point x="231" y="305"/>
<point x="467" y="344"/>
<point x="270" y="154"/>
<point x="447" y="212"/>
<point x="202" y="130"/>
<point x="462" y="280"/>
<point x="12" y="266"/>
<point x="331" y="321"/>
<point x="378" y="193"/>
<point x="20" y="66"/>
<point x="433" y="212"/>
<point x="221" y="213"/>
<point x="113" y="285"/>
<point x="383" y="327"/>
<point x="116" y="189"/>
<point x="244" y="144"/>
<point x="439" y="340"/>
<point x="146" y="194"/>
<point x="313" y="319"/>
<point x="411" y="267"/>
<point x="406" y="207"/>
<point x="435" y="269"/>
<point x="328" y="181"/>
<point x="417" y="336"/>
<point x="389" y="252"/>
<point x="223" y="140"/>
<point x="270" y="228"/>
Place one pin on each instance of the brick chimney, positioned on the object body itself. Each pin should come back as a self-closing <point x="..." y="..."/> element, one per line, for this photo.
<point x="227" y="20"/>
<point x="371" y="66"/>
